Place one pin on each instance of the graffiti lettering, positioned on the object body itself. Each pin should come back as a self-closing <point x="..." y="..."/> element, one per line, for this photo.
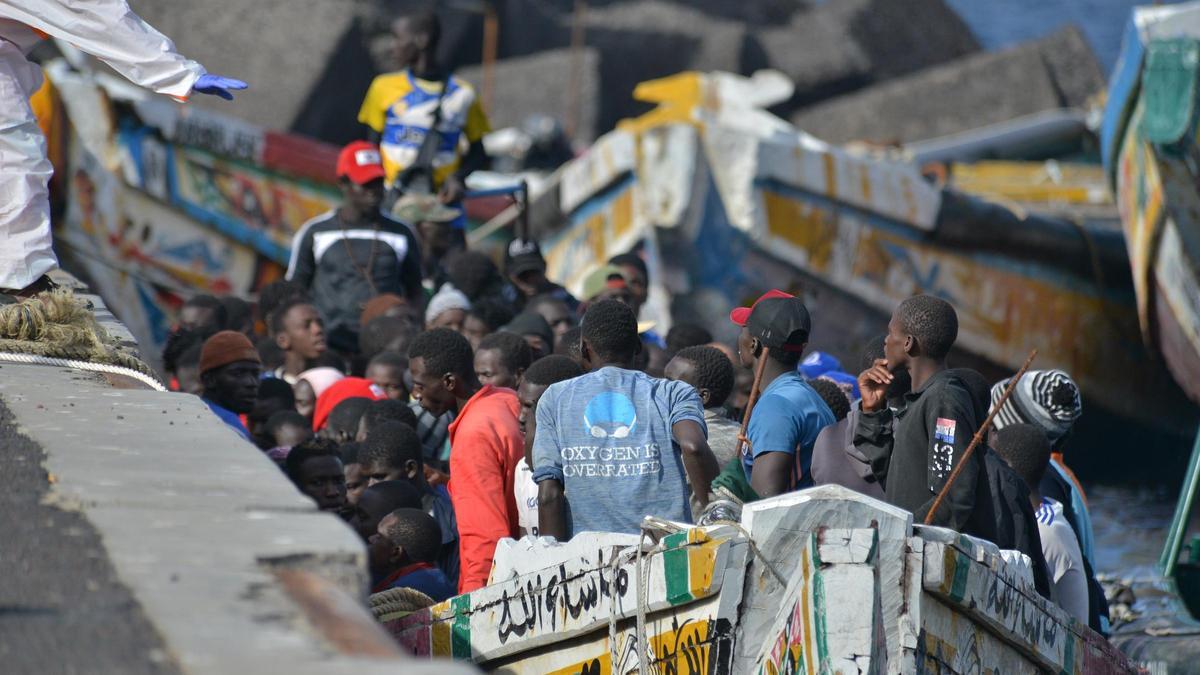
<point x="685" y="649"/>
<point x="536" y="605"/>
<point x="1019" y="614"/>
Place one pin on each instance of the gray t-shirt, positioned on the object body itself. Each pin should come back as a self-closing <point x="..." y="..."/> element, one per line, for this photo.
<point x="1068" y="583"/>
<point x="607" y="436"/>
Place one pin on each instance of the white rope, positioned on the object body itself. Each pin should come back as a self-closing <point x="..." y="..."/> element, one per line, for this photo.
<point x="643" y="642"/>
<point x="83" y="365"/>
<point x="613" y="566"/>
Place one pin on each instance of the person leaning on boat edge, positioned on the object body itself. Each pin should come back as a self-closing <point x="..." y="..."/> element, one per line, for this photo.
<point x="616" y="444"/>
<point x="913" y="449"/>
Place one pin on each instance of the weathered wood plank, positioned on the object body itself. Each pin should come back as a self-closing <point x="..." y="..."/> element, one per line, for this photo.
<point x="1013" y="610"/>
<point x="556" y="605"/>
<point x="781" y="525"/>
<point x="950" y="643"/>
<point x="829" y="619"/>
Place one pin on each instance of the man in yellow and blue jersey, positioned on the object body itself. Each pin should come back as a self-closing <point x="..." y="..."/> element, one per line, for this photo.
<point x="400" y="107"/>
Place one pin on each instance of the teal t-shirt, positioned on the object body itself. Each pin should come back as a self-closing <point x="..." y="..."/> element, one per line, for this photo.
<point x="787" y="418"/>
<point x="607" y="437"/>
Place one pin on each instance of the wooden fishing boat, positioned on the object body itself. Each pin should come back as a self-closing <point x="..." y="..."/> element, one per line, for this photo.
<point x="164" y="201"/>
<point x="1150" y="147"/>
<point x="730" y="200"/>
<point x="819" y="581"/>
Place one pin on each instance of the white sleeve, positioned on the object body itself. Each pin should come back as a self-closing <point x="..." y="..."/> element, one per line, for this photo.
<point x="1073" y="594"/>
<point x="1062" y="555"/>
<point x="110" y="31"/>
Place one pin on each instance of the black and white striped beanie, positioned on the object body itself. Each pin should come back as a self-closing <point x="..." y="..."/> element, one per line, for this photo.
<point x="1046" y="398"/>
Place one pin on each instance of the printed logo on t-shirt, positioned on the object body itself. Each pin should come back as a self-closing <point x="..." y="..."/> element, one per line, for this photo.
<point x="944" y="430"/>
<point x="610" y="415"/>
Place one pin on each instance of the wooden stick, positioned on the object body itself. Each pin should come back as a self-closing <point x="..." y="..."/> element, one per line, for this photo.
<point x="983" y="428"/>
<point x="754" y="392"/>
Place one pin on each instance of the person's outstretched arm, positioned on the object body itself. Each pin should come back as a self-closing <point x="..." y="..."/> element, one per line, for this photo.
<point x="110" y="31"/>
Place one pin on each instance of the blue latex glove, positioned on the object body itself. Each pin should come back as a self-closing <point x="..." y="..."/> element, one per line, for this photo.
<point x="217" y="85"/>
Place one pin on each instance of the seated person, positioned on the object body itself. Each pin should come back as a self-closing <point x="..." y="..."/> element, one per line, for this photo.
<point x="1027" y="451"/>
<point x="355" y="482"/>
<point x="501" y="359"/>
<point x="387" y="370"/>
<point x="344" y="420"/>
<point x="379" y="500"/>
<point x="544" y="372"/>
<point x="385" y="410"/>
<point x="274" y="395"/>
<point x="315" y="467"/>
<point x="229" y="376"/>
<point x="393" y="452"/>
<point x="402" y="552"/>
<point x="286" y="429"/>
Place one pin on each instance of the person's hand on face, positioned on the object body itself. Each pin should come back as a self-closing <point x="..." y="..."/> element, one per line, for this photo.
<point x="873" y="385"/>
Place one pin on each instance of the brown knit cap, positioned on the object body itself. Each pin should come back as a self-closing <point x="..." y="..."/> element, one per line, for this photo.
<point x="225" y="348"/>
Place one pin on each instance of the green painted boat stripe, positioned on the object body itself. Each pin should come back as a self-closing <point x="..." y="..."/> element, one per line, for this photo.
<point x="460" y="630"/>
<point x="1069" y="656"/>
<point x="675" y="568"/>
<point x="675" y="540"/>
<point x="819" y="612"/>
<point x="962" y="570"/>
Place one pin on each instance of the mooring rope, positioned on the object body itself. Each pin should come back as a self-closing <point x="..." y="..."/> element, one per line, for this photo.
<point x="58" y="329"/>
<point x="83" y="365"/>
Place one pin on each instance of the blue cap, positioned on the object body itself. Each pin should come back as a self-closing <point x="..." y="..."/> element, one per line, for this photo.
<point x="817" y="364"/>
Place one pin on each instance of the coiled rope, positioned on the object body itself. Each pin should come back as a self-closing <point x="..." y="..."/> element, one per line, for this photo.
<point x="57" y="328"/>
<point x="397" y="602"/>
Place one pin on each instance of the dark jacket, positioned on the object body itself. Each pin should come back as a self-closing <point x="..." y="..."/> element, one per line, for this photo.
<point x="836" y="460"/>
<point x="1003" y="505"/>
<point x="333" y="259"/>
<point x="913" y="450"/>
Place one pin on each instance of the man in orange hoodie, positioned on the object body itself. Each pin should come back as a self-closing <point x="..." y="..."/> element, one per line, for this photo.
<point x="485" y="446"/>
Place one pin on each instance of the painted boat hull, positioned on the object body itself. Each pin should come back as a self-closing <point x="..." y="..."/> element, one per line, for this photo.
<point x="836" y="582"/>
<point x="1156" y="182"/>
<point x="735" y="204"/>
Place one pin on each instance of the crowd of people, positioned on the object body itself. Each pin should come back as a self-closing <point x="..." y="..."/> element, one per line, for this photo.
<point x="439" y="402"/>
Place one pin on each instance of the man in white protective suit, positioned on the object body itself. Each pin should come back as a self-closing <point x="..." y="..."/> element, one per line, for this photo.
<point x="108" y="30"/>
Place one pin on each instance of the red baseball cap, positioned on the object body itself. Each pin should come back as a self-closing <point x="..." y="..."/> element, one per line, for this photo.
<point x="742" y="314"/>
<point x="361" y="162"/>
